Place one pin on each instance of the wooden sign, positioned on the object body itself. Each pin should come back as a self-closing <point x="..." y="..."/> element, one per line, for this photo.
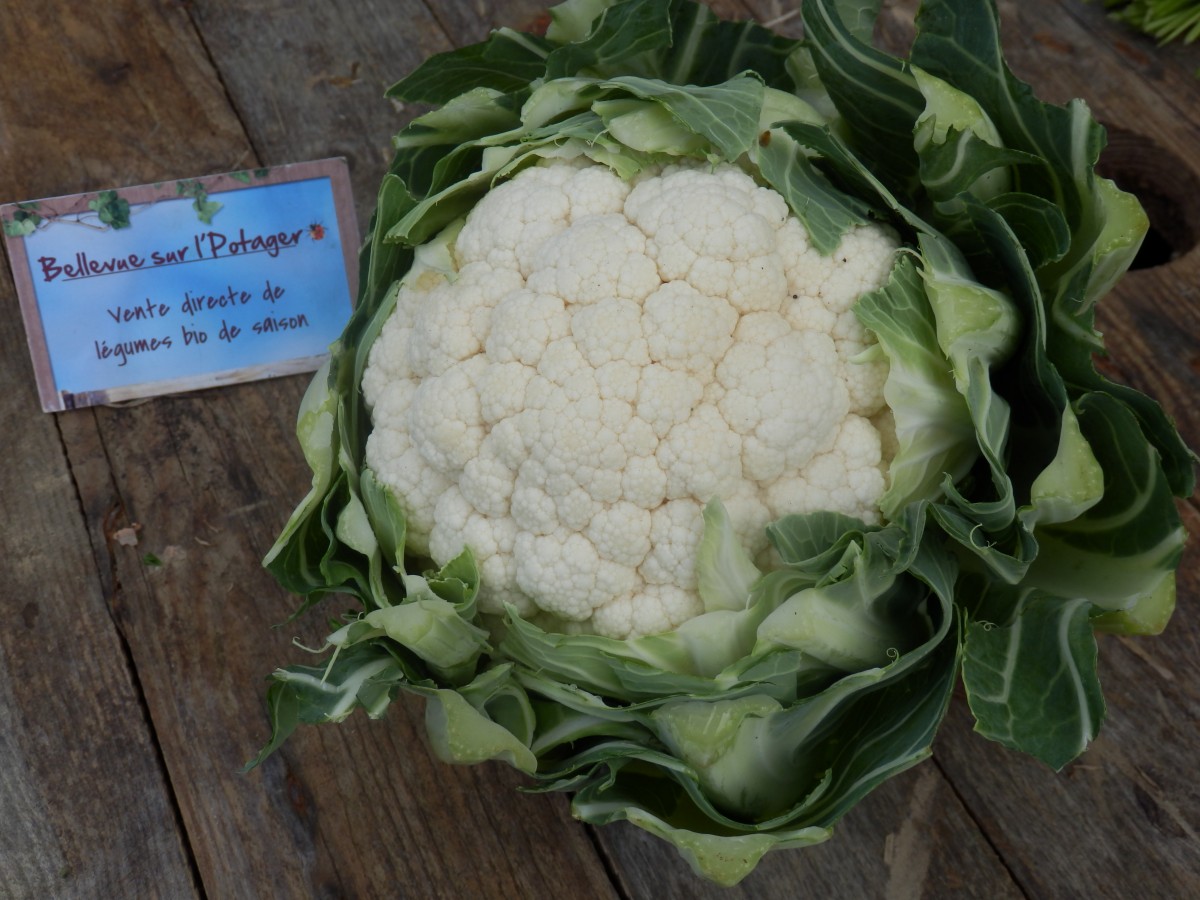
<point x="189" y="284"/>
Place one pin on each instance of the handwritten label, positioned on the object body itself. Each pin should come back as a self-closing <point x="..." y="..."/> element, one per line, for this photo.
<point x="183" y="285"/>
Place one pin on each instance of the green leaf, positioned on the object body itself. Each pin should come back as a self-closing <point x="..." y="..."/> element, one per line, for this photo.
<point x="725" y="114"/>
<point x="1069" y="346"/>
<point x="724" y="572"/>
<point x="875" y="93"/>
<point x="813" y="543"/>
<point x="427" y="139"/>
<point x="678" y="42"/>
<point x="959" y="42"/>
<point x="431" y="628"/>
<point x="827" y="213"/>
<point x="1129" y="542"/>
<point x="460" y="733"/>
<point x="825" y="753"/>
<point x="648" y="127"/>
<point x="361" y="676"/>
<point x="1040" y="223"/>
<point x="933" y="422"/>
<point x="860" y="619"/>
<point x="721" y="740"/>
<point x="571" y="21"/>
<point x="1149" y="614"/>
<point x="1071" y="484"/>
<point x="708" y="50"/>
<point x="723" y="859"/>
<point x="622" y="33"/>
<point x="506" y="61"/>
<point x="1032" y="683"/>
<point x="283" y="707"/>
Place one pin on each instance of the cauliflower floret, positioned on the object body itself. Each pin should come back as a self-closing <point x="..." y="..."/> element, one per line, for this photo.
<point x="611" y="330"/>
<point x="565" y="575"/>
<point x="675" y="529"/>
<point x="711" y="231"/>
<point x="667" y="397"/>
<point x="686" y="329"/>
<point x="621" y="533"/>
<point x="701" y="457"/>
<point x="523" y="324"/>
<point x="598" y="257"/>
<point x="513" y="220"/>
<point x="455" y="319"/>
<point x="784" y="392"/>
<point x="608" y="358"/>
<point x="447" y="426"/>
<point x="652" y="609"/>
<point x="414" y="482"/>
<point x="490" y="540"/>
<point x="846" y="479"/>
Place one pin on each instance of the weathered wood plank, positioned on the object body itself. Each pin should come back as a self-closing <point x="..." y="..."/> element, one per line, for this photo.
<point x="471" y="21"/>
<point x="86" y="808"/>
<point x="210" y="479"/>
<point x="78" y="767"/>
<point x="102" y="101"/>
<point x="309" y="83"/>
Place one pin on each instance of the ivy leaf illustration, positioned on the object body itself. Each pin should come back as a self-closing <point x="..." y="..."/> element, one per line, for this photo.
<point x="24" y="222"/>
<point x="205" y="208"/>
<point x="112" y="209"/>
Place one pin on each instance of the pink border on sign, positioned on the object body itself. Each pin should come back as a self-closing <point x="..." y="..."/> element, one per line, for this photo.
<point x="335" y="169"/>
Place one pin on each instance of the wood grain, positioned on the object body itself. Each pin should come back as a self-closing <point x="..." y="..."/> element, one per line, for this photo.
<point x="87" y="810"/>
<point x="79" y="769"/>
<point x="307" y="80"/>
<point x="471" y="21"/>
<point x="71" y="708"/>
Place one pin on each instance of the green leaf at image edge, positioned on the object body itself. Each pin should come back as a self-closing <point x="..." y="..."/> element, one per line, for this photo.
<point x="1032" y="684"/>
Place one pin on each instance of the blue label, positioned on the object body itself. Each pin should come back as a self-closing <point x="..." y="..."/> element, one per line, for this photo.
<point x="191" y="288"/>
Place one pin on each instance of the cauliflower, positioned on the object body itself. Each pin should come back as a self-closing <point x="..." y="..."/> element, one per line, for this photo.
<point x="606" y="358"/>
<point x="599" y="355"/>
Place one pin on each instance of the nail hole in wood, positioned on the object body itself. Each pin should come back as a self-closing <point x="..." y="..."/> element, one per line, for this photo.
<point x="1167" y="188"/>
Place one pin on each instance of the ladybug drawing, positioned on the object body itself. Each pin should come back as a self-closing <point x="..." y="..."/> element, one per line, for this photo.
<point x="316" y="231"/>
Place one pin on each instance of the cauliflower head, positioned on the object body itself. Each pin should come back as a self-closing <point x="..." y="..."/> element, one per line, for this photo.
<point x="604" y="358"/>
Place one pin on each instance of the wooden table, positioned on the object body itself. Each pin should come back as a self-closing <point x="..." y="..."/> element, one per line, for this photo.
<point x="131" y="694"/>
